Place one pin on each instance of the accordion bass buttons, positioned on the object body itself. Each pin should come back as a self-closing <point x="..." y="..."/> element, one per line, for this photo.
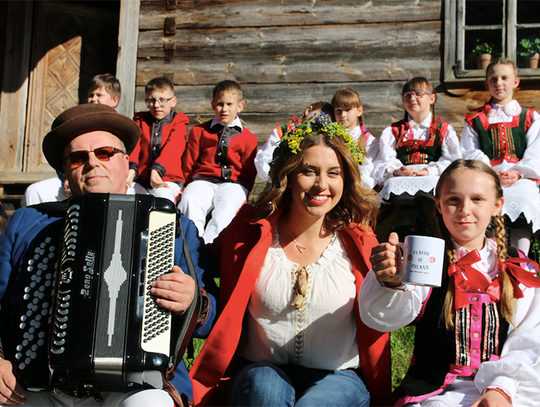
<point x="36" y="295"/>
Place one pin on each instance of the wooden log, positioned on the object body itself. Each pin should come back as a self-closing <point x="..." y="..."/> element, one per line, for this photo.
<point x="299" y="68"/>
<point x="391" y="38"/>
<point x="257" y="13"/>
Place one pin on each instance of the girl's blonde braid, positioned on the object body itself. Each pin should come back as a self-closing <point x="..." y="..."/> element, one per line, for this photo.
<point x="508" y="301"/>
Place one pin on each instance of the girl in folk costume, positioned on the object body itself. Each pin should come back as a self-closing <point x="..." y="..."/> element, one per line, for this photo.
<point x="265" y="153"/>
<point x="507" y="137"/>
<point x="289" y="331"/>
<point x="348" y="111"/>
<point x="478" y="335"/>
<point x="413" y="152"/>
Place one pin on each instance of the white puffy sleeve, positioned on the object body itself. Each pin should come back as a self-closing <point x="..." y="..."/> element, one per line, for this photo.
<point x="387" y="309"/>
<point x="387" y="161"/>
<point x="366" y="168"/>
<point x="264" y="155"/>
<point x="450" y="151"/>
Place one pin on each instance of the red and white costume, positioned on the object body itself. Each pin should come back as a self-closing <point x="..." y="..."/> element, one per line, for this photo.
<point x="219" y="171"/>
<point x="501" y="120"/>
<point x="388" y="160"/>
<point x="160" y="148"/>
<point x="514" y="369"/>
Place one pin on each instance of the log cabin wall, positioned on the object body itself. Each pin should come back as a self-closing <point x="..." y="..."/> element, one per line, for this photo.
<point x="286" y="54"/>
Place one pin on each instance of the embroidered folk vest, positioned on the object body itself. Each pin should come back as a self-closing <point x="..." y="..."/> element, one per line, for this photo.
<point x="419" y="151"/>
<point x="502" y="141"/>
<point x="479" y="333"/>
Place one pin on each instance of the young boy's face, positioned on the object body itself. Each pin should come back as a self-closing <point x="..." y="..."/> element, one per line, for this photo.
<point x="102" y="97"/>
<point x="160" y="102"/>
<point x="227" y="106"/>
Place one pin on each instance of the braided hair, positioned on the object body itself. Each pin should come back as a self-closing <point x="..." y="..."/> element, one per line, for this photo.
<point x="508" y="302"/>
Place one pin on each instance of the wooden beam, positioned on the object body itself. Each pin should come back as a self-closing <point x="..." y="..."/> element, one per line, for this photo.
<point x="126" y="65"/>
<point x="285" y="41"/>
<point x="264" y="13"/>
<point x="15" y="84"/>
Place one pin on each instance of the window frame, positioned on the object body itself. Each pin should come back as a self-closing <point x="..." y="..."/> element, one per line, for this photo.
<point x="454" y="42"/>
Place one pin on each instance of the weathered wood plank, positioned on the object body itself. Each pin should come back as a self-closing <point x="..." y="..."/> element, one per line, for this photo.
<point x="126" y="63"/>
<point x="257" y="13"/>
<point x="299" y="68"/>
<point x="284" y="41"/>
<point x="15" y="85"/>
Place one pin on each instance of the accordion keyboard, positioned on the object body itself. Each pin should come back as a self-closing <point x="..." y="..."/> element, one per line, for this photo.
<point x="159" y="260"/>
<point x="31" y="350"/>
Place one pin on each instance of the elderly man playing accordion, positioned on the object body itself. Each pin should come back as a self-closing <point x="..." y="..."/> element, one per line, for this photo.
<point x="91" y="145"/>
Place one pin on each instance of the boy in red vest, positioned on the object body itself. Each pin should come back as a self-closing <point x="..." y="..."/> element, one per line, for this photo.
<point x="218" y="164"/>
<point x="155" y="163"/>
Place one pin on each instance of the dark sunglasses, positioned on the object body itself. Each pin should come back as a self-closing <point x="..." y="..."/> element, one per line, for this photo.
<point x="78" y="158"/>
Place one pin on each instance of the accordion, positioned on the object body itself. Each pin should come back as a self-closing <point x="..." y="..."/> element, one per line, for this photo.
<point x="89" y="323"/>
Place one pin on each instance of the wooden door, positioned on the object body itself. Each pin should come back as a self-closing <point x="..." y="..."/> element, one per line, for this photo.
<point x="72" y="42"/>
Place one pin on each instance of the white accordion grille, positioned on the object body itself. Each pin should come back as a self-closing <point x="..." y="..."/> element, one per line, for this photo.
<point x="160" y="260"/>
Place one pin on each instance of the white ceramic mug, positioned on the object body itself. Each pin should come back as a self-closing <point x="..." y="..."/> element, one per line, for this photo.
<point x="423" y="258"/>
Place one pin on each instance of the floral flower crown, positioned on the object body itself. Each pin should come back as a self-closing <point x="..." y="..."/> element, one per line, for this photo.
<point x="319" y="122"/>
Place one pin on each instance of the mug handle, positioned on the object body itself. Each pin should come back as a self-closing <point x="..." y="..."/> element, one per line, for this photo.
<point x="401" y="261"/>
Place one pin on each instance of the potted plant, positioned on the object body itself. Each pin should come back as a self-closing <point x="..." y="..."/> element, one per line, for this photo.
<point x="529" y="48"/>
<point x="483" y="53"/>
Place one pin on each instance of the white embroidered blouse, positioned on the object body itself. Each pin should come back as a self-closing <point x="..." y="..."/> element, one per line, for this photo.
<point x="322" y="333"/>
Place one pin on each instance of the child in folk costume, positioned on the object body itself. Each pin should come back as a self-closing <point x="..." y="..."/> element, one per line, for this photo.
<point x="348" y="111"/>
<point x="506" y="136"/>
<point x="478" y="335"/>
<point x="218" y="164"/>
<point x="154" y="165"/>
<point x="266" y="152"/>
<point x="414" y="151"/>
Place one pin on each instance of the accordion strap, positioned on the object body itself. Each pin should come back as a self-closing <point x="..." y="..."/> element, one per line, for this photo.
<point x="190" y="317"/>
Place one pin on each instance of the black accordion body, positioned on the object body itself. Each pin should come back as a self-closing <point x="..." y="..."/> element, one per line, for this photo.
<point x="90" y="324"/>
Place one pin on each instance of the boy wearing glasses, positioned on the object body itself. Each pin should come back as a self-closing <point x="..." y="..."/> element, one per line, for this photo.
<point x="218" y="164"/>
<point x="155" y="163"/>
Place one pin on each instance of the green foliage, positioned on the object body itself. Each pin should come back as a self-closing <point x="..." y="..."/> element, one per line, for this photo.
<point x="529" y="46"/>
<point x="401" y="346"/>
<point x="482" y="48"/>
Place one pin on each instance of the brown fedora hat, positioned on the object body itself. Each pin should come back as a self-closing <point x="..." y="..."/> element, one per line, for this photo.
<point x="83" y="119"/>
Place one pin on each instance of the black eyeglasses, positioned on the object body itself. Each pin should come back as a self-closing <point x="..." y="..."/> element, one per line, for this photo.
<point x="161" y="101"/>
<point x="78" y="158"/>
<point x="418" y="94"/>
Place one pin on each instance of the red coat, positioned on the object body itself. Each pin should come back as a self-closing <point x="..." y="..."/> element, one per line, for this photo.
<point x="240" y="251"/>
<point x="200" y="155"/>
<point x="173" y="144"/>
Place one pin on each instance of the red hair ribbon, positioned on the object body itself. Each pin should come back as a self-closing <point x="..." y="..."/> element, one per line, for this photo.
<point x="467" y="279"/>
<point x="519" y="275"/>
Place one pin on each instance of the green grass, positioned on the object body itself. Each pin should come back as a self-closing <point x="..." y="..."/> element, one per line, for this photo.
<point x="401" y="346"/>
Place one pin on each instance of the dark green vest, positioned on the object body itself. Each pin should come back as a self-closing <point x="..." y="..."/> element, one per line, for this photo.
<point x="503" y="141"/>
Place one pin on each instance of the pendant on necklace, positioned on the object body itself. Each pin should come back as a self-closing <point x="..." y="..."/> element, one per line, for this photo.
<point x="300" y="248"/>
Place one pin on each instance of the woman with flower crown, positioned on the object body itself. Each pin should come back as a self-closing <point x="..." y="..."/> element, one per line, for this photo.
<point x="291" y="267"/>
